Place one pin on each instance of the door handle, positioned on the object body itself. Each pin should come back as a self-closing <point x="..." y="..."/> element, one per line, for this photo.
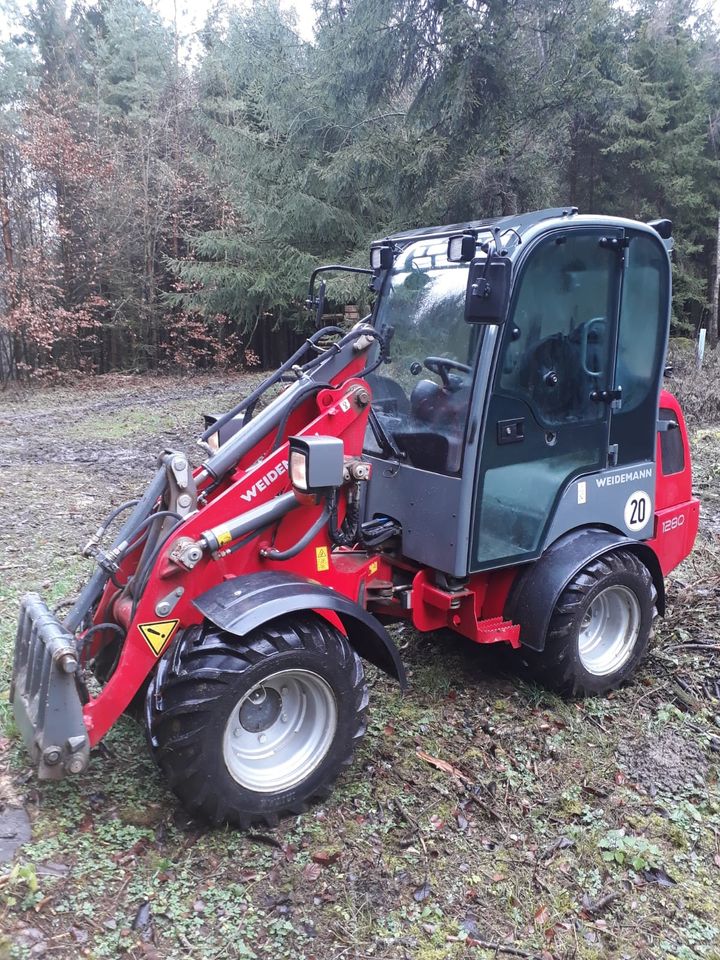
<point x="584" y="339"/>
<point x="511" y="431"/>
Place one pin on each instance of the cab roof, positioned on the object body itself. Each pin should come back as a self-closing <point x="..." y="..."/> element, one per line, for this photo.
<point x="521" y="222"/>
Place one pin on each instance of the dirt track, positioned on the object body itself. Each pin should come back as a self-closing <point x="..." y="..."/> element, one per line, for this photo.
<point x="480" y="811"/>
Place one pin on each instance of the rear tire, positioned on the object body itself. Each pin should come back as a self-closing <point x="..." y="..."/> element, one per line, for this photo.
<point x="600" y="627"/>
<point x="251" y="729"/>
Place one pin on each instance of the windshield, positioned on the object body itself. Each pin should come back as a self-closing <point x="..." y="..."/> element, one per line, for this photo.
<point x="421" y="396"/>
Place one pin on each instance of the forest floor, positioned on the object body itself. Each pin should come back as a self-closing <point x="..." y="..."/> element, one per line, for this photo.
<point x="483" y="818"/>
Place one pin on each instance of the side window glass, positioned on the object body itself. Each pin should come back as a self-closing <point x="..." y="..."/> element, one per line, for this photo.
<point x="640" y="329"/>
<point x="671" y="445"/>
<point x="641" y="343"/>
<point x="421" y="394"/>
<point x="558" y="346"/>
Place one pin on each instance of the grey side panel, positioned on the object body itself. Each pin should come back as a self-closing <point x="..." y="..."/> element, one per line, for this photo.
<point x="537" y="590"/>
<point x="622" y="498"/>
<point x="428" y="507"/>
<point x="242" y="604"/>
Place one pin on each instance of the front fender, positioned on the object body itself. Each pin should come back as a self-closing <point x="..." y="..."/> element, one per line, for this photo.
<point x="245" y="603"/>
<point x="537" y="590"/>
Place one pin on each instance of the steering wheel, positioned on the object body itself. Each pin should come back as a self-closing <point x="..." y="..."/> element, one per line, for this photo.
<point x="442" y="366"/>
<point x="551" y="371"/>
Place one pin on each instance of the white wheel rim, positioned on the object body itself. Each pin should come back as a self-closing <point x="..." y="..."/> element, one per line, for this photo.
<point x="280" y="731"/>
<point x="609" y="630"/>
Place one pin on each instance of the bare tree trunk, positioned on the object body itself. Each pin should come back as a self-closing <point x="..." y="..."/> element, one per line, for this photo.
<point x="715" y="296"/>
<point x="5" y="219"/>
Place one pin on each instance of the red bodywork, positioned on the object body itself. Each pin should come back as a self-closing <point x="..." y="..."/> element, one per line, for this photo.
<point x="677" y="512"/>
<point x="373" y="580"/>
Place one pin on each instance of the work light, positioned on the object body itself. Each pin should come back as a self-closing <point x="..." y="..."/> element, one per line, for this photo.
<point x="382" y="256"/>
<point x="316" y="463"/>
<point x="462" y="247"/>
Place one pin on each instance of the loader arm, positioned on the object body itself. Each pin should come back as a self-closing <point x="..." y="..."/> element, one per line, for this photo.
<point x="140" y="595"/>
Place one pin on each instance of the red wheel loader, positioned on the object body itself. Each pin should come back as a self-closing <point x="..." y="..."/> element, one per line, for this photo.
<point x="490" y="451"/>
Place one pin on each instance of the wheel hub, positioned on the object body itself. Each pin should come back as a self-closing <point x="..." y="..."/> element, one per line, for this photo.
<point x="280" y="731"/>
<point x="260" y="710"/>
<point x="609" y="630"/>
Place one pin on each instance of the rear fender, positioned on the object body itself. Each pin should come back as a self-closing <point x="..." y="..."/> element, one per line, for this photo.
<point x="536" y="591"/>
<point x="245" y="603"/>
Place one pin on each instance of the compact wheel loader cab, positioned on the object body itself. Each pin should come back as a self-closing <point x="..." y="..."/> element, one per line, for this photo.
<point x="490" y="451"/>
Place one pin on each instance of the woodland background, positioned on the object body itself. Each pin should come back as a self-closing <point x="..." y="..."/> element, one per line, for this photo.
<point x="162" y="209"/>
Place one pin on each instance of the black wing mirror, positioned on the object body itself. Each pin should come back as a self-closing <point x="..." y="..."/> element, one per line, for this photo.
<point x="488" y="290"/>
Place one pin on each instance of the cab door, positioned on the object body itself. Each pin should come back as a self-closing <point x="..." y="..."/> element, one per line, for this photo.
<point x="548" y="417"/>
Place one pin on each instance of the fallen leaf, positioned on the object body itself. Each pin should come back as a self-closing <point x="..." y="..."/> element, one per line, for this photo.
<point x="311" y="872"/>
<point x="142" y="916"/>
<point x="325" y="857"/>
<point x="659" y="876"/>
<point x="443" y="765"/>
<point x="421" y="893"/>
<point x="143" y="923"/>
<point x="541" y="916"/>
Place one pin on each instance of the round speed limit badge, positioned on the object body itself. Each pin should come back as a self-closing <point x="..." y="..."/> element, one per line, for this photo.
<point x="638" y="510"/>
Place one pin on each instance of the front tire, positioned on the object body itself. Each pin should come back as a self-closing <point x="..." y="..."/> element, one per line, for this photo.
<point x="249" y="730"/>
<point x="599" y="629"/>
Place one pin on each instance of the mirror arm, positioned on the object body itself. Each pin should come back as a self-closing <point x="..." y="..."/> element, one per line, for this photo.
<point x="311" y="302"/>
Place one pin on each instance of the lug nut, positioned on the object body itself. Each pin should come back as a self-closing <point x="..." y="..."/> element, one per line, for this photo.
<point x="262" y="738"/>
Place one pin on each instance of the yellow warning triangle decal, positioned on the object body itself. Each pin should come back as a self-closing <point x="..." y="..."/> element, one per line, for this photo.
<point x="158" y="633"/>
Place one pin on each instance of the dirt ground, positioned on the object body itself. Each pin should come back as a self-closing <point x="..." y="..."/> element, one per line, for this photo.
<point x="482" y="818"/>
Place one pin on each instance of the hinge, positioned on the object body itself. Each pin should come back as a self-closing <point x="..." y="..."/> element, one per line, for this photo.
<point x="613" y="452"/>
<point x="612" y="397"/>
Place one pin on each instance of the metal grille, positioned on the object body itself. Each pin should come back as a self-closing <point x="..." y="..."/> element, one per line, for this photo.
<point x="44" y="692"/>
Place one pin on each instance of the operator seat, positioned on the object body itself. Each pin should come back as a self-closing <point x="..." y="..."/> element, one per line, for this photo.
<point x="438" y="415"/>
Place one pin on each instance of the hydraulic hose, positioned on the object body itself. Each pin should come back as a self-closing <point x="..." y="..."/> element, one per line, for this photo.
<point x="103" y="528"/>
<point x="96" y="629"/>
<point x="124" y="547"/>
<point x="92" y="590"/>
<point x="253" y="397"/>
<point x="347" y="534"/>
<point x="272" y="554"/>
<point x="307" y="390"/>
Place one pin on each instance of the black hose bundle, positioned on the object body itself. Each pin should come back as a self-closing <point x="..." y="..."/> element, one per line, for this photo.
<point x="347" y="534"/>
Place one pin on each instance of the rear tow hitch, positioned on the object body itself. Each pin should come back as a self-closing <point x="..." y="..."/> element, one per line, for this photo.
<point x="44" y="692"/>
